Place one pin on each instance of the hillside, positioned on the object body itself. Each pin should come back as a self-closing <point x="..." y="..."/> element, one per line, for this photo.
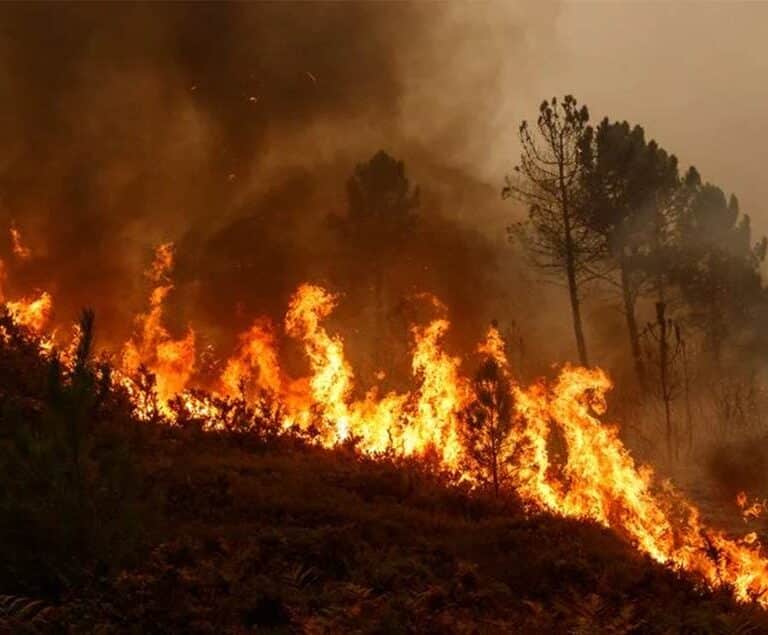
<point x="109" y="524"/>
<point x="305" y="540"/>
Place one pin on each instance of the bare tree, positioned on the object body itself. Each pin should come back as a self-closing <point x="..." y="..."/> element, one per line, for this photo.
<point x="555" y="233"/>
<point x="666" y="352"/>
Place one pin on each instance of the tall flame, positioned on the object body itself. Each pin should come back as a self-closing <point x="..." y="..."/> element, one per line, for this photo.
<point x="254" y="364"/>
<point x="171" y="361"/>
<point x="32" y="313"/>
<point x="440" y="398"/>
<point x="594" y="477"/>
<point x="331" y="381"/>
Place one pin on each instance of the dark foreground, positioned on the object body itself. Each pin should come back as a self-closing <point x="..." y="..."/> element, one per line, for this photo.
<point x="289" y="539"/>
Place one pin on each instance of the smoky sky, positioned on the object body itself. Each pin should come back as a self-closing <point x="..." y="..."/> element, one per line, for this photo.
<point x="691" y="73"/>
<point x="231" y="129"/>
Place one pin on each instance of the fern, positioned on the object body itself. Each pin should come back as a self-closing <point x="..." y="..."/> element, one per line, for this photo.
<point x="25" y="615"/>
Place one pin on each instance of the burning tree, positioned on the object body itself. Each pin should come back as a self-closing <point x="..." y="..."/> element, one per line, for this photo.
<point x="488" y="421"/>
<point x="489" y="416"/>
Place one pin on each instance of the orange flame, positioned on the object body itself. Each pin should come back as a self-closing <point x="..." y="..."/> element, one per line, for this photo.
<point x="440" y="398"/>
<point x="255" y="362"/>
<point x="601" y="482"/>
<point x="331" y="380"/>
<point x="32" y="313"/>
<point x="409" y="424"/>
<point x="749" y="511"/>
<point x="171" y="361"/>
<point x="20" y="250"/>
<point x="595" y="479"/>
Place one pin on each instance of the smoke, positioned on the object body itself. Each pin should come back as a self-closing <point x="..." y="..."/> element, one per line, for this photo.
<point x="231" y="129"/>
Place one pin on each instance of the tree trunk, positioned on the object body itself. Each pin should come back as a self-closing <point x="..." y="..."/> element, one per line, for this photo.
<point x="378" y="308"/>
<point x="634" y="335"/>
<point x="687" y="389"/>
<point x="664" y="379"/>
<point x="578" y="329"/>
<point x="570" y="267"/>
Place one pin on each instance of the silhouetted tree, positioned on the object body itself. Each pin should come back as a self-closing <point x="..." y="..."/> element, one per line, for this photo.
<point x="381" y="204"/>
<point x="488" y="422"/>
<point x="718" y="267"/>
<point x="555" y="234"/>
<point x="630" y="191"/>
<point x="666" y="351"/>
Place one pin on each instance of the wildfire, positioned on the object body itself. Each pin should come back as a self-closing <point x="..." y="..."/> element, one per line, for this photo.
<point x="331" y="381"/>
<point x="171" y="361"/>
<point x="32" y="313"/>
<point x="20" y="250"/>
<point x="594" y="477"/>
<point x="750" y="510"/>
<point x="254" y="364"/>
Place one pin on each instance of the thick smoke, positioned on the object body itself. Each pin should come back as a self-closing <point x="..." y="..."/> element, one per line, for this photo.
<point x="231" y="129"/>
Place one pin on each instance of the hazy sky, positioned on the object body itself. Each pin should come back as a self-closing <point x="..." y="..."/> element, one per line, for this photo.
<point x="129" y="124"/>
<point x="694" y="74"/>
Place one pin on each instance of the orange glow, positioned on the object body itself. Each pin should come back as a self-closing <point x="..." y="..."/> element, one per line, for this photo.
<point x="172" y="362"/>
<point x="594" y="477"/>
<point x="20" y="250"/>
<point x="254" y="364"/>
<point x="32" y="313"/>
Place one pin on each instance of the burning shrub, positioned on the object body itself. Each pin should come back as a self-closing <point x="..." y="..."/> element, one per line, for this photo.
<point x="488" y="422"/>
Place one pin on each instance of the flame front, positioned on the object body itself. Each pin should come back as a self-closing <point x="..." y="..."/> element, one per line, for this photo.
<point x="596" y="478"/>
